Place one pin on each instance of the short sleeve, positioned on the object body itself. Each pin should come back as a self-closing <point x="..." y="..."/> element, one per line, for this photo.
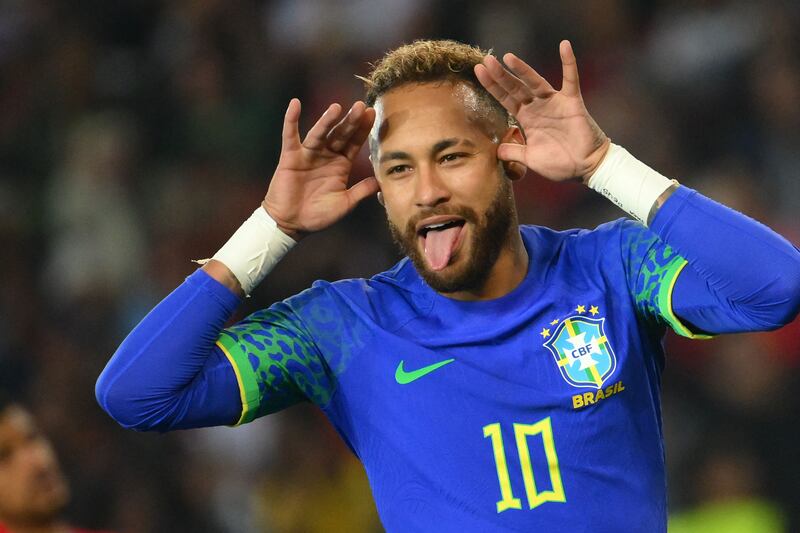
<point x="652" y="269"/>
<point x="276" y="362"/>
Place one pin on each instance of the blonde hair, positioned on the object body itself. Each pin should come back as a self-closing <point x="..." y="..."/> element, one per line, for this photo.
<point x="427" y="61"/>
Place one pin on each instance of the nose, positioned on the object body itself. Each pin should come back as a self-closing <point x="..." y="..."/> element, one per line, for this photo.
<point x="430" y="190"/>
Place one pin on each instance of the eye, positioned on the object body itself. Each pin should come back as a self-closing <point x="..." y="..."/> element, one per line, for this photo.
<point x="398" y="169"/>
<point x="447" y="158"/>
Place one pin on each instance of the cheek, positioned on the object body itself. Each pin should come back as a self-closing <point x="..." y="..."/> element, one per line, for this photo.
<point x="396" y="220"/>
<point x="12" y="493"/>
<point x="397" y="208"/>
<point x="475" y="186"/>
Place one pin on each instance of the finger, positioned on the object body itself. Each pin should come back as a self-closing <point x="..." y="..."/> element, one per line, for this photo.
<point x="291" y="132"/>
<point x="511" y="152"/>
<point x="488" y="82"/>
<point x="363" y="189"/>
<point x="341" y="133"/>
<point x="569" y="66"/>
<point x="540" y="87"/>
<point x="509" y="90"/>
<point x="317" y="136"/>
<point x="360" y="135"/>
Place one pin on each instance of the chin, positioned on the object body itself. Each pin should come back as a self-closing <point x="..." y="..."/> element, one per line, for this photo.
<point x="52" y="498"/>
<point x="473" y="259"/>
<point x="460" y="275"/>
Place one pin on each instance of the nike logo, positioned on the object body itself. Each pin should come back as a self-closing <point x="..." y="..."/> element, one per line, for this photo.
<point x="403" y="377"/>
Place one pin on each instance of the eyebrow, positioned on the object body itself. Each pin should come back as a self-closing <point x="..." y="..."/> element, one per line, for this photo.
<point x="444" y="144"/>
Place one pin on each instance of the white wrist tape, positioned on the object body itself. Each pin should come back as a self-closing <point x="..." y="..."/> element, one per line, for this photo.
<point x="254" y="249"/>
<point x="629" y="183"/>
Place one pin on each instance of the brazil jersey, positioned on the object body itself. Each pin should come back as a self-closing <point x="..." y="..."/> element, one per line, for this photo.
<point x="536" y="411"/>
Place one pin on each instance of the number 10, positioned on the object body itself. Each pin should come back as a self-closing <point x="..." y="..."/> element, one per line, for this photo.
<point x="521" y="432"/>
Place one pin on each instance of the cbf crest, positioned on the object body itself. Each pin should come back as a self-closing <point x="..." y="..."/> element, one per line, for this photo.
<point x="581" y="349"/>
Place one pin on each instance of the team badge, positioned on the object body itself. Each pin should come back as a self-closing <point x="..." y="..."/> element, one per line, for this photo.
<point x="581" y="349"/>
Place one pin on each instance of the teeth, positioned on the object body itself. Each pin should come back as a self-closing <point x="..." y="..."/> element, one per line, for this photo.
<point x="443" y="224"/>
<point x="436" y="226"/>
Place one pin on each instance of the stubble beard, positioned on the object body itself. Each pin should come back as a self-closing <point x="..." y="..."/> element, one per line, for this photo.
<point x="491" y="232"/>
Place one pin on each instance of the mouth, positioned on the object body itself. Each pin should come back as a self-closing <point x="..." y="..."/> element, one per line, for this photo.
<point x="439" y="237"/>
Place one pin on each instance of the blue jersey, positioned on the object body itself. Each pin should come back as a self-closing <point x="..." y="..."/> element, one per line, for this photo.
<point x="535" y="411"/>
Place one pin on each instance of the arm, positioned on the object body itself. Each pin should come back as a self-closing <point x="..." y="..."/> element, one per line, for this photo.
<point x="167" y="374"/>
<point x="173" y="371"/>
<point x="740" y="275"/>
<point x="705" y="269"/>
<point x="729" y="272"/>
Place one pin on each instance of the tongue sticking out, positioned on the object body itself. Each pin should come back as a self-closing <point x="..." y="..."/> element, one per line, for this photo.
<point x="439" y="245"/>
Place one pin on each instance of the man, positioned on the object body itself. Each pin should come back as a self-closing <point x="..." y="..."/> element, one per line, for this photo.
<point x="503" y="377"/>
<point x="33" y="491"/>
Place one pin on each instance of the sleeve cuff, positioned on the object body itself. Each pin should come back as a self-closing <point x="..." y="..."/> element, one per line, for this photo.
<point x="248" y="387"/>
<point x="670" y="209"/>
<point x="217" y="290"/>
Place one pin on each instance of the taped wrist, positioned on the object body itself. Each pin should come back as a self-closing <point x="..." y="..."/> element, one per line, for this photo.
<point x="254" y="249"/>
<point x="630" y="184"/>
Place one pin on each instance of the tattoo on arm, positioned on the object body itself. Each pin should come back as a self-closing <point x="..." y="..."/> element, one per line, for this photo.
<point x="660" y="201"/>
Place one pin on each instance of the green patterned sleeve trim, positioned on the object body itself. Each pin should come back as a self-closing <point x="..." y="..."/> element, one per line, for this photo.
<point x="248" y="387"/>
<point x="277" y="362"/>
<point x="664" y="300"/>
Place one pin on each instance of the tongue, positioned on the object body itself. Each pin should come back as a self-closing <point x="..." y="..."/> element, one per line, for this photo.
<point x="439" y="245"/>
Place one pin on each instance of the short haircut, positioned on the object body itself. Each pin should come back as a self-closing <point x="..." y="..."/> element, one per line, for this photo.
<point x="432" y="61"/>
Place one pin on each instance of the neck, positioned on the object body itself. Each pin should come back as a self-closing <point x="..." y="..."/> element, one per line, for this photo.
<point x="505" y="275"/>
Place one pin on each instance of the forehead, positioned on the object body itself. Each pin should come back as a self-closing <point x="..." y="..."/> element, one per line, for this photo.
<point x="14" y="422"/>
<point x="423" y="113"/>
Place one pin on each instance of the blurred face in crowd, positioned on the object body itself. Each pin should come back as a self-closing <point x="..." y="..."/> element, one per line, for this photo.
<point x="32" y="488"/>
<point x="448" y="198"/>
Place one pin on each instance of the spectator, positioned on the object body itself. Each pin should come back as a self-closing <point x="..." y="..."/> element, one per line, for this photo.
<point x="33" y="490"/>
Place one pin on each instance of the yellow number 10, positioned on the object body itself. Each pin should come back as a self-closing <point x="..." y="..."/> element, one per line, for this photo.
<point x="521" y="432"/>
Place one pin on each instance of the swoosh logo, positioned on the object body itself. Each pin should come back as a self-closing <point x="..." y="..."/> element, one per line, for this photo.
<point x="403" y="377"/>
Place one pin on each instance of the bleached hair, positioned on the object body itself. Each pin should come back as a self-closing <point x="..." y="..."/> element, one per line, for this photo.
<point x="428" y="61"/>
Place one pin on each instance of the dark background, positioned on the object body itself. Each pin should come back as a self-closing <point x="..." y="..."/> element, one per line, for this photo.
<point x="137" y="135"/>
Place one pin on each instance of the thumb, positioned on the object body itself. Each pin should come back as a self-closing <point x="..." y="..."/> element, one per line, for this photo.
<point x="362" y="189"/>
<point x="513" y="152"/>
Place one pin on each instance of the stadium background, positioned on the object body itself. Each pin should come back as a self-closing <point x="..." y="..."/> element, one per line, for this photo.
<point x="136" y="135"/>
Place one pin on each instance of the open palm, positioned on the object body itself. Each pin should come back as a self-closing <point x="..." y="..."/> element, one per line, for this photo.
<point x="562" y="140"/>
<point x="308" y="191"/>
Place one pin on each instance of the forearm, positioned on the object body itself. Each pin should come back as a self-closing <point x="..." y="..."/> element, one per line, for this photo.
<point x="750" y="273"/>
<point x="167" y="373"/>
<point x="739" y="274"/>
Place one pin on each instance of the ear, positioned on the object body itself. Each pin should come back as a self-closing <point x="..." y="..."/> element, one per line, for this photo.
<point x="375" y="170"/>
<point x="513" y="170"/>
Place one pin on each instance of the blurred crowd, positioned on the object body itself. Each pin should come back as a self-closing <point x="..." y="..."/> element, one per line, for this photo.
<point x="136" y="135"/>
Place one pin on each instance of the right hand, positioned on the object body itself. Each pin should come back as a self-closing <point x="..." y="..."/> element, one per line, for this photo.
<point x="562" y="141"/>
<point x="308" y="191"/>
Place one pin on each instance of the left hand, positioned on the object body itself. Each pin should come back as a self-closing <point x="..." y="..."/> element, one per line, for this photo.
<point x="562" y="139"/>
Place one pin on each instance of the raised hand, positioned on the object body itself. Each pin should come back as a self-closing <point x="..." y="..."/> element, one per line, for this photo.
<point x="562" y="139"/>
<point x="308" y="191"/>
